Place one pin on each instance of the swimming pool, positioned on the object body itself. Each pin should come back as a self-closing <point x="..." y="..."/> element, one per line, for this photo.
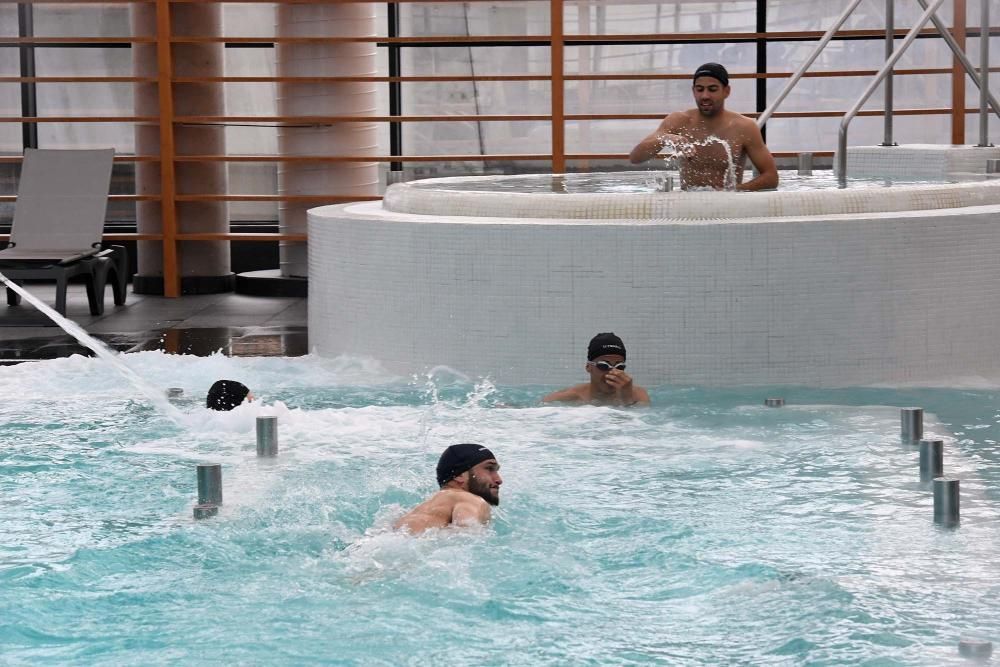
<point x="706" y="530"/>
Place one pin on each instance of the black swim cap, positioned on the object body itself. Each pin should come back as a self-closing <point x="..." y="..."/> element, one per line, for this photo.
<point x="605" y="343"/>
<point x="226" y="395"/>
<point x="458" y="458"/>
<point x="714" y="70"/>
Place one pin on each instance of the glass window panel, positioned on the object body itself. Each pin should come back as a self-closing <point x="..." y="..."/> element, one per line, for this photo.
<point x="464" y="60"/>
<point x="820" y="134"/>
<point x="83" y="20"/>
<point x="477" y="97"/>
<point x="606" y="136"/>
<point x="611" y="17"/>
<point x="461" y="18"/>
<point x="477" y="138"/>
<point x="85" y="99"/>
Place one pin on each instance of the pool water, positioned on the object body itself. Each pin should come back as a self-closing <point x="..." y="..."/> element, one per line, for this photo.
<point x="632" y="182"/>
<point x="706" y="530"/>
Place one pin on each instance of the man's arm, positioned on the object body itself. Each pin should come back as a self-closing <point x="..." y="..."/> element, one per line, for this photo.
<point x="570" y="395"/>
<point x="472" y="512"/>
<point x="756" y="150"/>
<point x="651" y="146"/>
<point x="640" y="396"/>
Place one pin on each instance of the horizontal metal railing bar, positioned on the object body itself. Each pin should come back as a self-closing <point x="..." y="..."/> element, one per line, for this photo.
<point x="321" y="120"/>
<point x="240" y="236"/>
<point x="31" y="41"/>
<point x="484" y="40"/>
<point x="220" y="236"/>
<point x="325" y="199"/>
<point x="460" y="78"/>
<point x="536" y="77"/>
<point x="78" y="79"/>
<point x="118" y="158"/>
<point x="110" y="197"/>
<point x="80" y="119"/>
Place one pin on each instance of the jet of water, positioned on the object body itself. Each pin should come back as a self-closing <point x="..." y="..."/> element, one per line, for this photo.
<point x="155" y="395"/>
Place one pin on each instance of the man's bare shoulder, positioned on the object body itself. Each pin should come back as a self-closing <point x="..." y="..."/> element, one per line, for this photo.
<point x="746" y="125"/>
<point x="575" y="394"/>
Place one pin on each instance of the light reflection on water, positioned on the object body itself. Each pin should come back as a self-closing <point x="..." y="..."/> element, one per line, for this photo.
<point x="707" y="530"/>
<point x="628" y="182"/>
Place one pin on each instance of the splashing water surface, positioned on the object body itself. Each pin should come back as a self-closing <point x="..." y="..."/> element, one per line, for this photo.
<point x="706" y="530"/>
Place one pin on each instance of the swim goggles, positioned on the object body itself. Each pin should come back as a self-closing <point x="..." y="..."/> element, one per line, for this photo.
<point x="604" y="366"/>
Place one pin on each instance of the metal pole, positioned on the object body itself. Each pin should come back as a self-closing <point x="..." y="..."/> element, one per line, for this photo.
<point x="961" y="57"/>
<point x="29" y="93"/>
<point x="267" y="436"/>
<point x="762" y="119"/>
<point x="805" y="164"/>
<point x="395" y="88"/>
<point x="911" y="422"/>
<point x="984" y="73"/>
<point x="890" y="35"/>
<point x="210" y="484"/>
<point x="886" y="68"/>
<point x="946" y="501"/>
<point x="931" y="459"/>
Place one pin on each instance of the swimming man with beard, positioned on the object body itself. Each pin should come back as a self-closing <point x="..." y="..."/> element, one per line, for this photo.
<point x="469" y="477"/>
<point x="704" y="163"/>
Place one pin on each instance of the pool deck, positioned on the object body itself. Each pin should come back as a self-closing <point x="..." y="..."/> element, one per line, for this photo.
<point x="235" y="324"/>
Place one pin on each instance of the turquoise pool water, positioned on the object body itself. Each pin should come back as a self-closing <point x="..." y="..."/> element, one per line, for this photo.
<point x="707" y="530"/>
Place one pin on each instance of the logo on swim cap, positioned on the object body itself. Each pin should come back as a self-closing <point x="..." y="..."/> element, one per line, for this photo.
<point x="605" y="343"/>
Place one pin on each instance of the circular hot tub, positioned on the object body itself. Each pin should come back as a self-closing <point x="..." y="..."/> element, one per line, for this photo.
<point x="509" y="277"/>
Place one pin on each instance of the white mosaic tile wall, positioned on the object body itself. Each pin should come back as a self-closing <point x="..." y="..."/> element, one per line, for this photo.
<point x="933" y="162"/>
<point x="822" y="301"/>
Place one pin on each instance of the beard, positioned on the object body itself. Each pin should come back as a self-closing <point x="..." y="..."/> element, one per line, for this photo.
<point x="483" y="490"/>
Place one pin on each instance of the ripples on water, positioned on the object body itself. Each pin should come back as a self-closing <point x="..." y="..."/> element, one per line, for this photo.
<point x="707" y="530"/>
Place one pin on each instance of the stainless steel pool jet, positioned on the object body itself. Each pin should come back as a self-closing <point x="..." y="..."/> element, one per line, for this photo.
<point x="267" y="436"/>
<point x="911" y="425"/>
<point x="931" y="459"/>
<point x="946" y="501"/>
<point x="209" y="490"/>
<point x="975" y="648"/>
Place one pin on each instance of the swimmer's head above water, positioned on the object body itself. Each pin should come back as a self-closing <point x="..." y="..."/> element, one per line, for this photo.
<point x="468" y="457"/>
<point x="226" y="395"/>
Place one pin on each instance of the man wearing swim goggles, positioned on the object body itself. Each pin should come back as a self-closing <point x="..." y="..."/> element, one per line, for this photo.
<point x="609" y="383"/>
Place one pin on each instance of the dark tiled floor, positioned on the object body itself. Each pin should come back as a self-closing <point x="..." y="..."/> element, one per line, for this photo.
<point x="202" y="324"/>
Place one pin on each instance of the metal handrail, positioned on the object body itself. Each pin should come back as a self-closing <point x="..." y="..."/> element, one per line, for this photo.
<point x="890" y="40"/>
<point x="882" y="73"/>
<point x="827" y="36"/>
<point x="984" y="69"/>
